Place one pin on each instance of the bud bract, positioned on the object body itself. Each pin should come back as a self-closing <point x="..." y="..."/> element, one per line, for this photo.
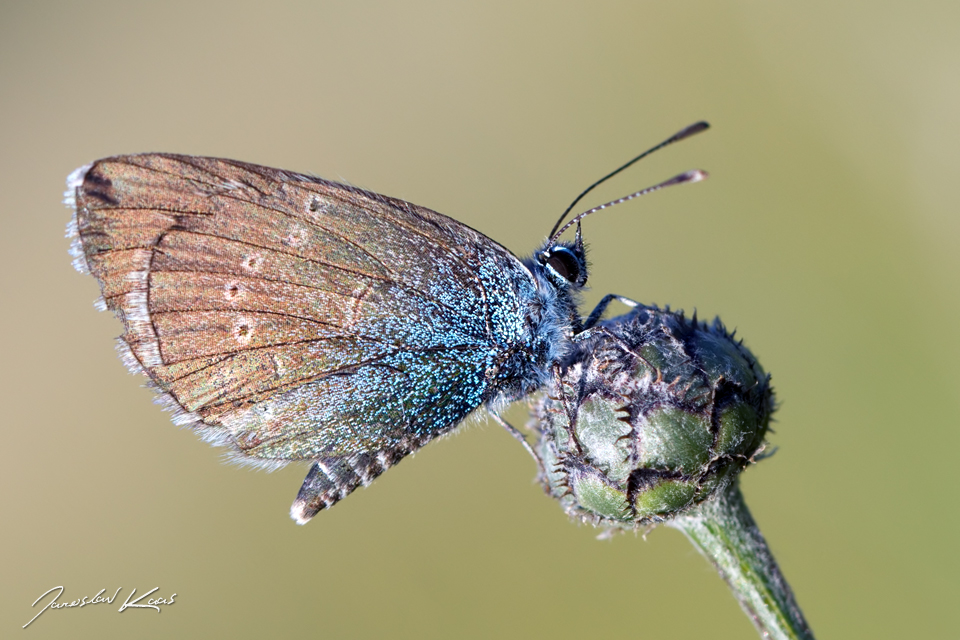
<point x="650" y="416"/>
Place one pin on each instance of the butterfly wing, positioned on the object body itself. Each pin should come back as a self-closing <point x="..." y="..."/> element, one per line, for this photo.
<point x="292" y="318"/>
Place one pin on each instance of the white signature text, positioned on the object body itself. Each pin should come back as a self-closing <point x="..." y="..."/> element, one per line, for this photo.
<point x="130" y="603"/>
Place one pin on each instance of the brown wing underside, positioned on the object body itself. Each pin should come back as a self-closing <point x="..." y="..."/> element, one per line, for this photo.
<point x="238" y="283"/>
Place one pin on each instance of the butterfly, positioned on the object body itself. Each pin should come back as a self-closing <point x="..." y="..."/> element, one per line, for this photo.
<point x="287" y="317"/>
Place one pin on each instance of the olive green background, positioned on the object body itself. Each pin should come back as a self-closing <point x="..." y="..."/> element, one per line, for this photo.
<point x="827" y="234"/>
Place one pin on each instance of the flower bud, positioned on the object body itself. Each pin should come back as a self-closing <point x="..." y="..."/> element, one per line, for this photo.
<point x="650" y="416"/>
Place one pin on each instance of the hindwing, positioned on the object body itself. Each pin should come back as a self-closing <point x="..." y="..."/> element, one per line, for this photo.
<point x="289" y="317"/>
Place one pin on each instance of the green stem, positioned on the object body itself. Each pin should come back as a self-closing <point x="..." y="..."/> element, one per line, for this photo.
<point x="723" y="530"/>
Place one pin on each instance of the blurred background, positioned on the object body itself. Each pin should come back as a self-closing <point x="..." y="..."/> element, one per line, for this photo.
<point x="827" y="235"/>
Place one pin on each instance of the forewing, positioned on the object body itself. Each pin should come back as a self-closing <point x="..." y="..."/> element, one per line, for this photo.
<point x="291" y="317"/>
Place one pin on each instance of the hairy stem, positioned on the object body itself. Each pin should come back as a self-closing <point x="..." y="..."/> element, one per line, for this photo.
<point x="723" y="530"/>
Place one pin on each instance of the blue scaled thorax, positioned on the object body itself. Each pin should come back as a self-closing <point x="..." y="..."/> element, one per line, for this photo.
<point x="551" y="319"/>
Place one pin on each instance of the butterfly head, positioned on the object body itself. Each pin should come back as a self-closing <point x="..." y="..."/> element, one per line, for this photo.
<point x="564" y="264"/>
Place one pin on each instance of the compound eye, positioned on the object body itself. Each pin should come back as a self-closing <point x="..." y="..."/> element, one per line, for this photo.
<point x="565" y="264"/>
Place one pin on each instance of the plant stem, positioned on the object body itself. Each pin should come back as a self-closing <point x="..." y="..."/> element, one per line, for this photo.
<point x="723" y="530"/>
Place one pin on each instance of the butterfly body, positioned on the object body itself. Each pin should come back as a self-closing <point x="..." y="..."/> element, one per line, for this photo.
<point x="292" y="318"/>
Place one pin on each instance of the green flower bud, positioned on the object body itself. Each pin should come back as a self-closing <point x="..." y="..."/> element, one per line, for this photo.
<point x="651" y="416"/>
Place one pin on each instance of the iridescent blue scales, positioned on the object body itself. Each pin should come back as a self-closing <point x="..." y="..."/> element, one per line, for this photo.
<point x="287" y="317"/>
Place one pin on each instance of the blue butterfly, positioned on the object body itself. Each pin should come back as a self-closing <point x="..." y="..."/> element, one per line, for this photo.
<point x="288" y="317"/>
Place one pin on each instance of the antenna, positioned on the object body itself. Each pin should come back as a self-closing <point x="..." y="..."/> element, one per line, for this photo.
<point x="689" y="176"/>
<point x="697" y="127"/>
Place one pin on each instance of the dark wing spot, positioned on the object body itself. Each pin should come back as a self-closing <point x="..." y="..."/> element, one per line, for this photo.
<point x="99" y="187"/>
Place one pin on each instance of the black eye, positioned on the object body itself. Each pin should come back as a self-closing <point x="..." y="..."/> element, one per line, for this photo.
<point x="565" y="264"/>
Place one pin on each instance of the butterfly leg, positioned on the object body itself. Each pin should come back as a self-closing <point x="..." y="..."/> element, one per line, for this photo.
<point x="567" y="408"/>
<point x="519" y="436"/>
<point x="594" y="316"/>
<point x="623" y="345"/>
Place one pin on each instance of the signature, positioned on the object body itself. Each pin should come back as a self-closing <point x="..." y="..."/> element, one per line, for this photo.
<point x="129" y="603"/>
